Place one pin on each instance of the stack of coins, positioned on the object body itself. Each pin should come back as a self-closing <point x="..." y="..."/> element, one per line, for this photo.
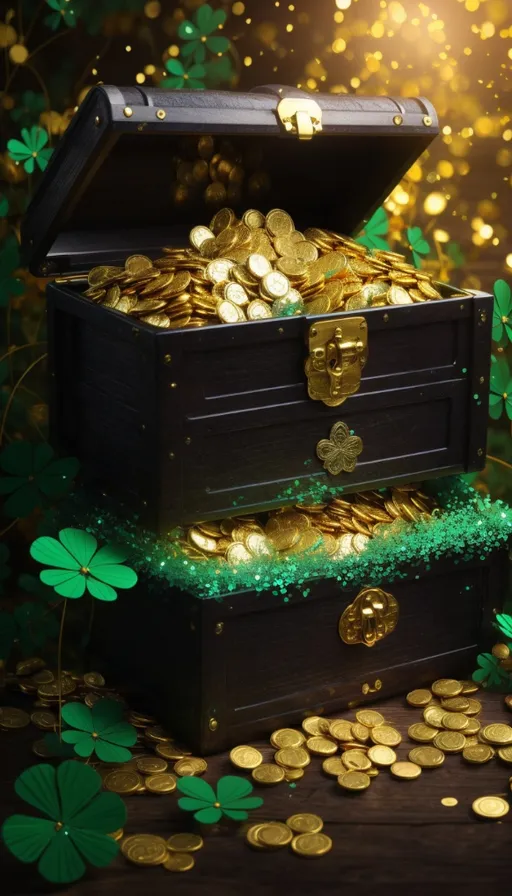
<point x="342" y="527"/>
<point x="254" y="268"/>
<point x="148" y="850"/>
<point x="302" y="832"/>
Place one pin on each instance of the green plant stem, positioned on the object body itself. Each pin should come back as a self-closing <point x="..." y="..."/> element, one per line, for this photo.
<point x="59" y="665"/>
<point x="14" y="390"/>
<point x="11" y="524"/>
<point x="19" y="348"/>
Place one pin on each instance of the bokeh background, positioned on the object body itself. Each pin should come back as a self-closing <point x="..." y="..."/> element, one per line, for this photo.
<point x="452" y="212"/>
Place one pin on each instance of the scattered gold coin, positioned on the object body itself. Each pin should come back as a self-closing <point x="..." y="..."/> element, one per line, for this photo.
<point x="274" y="835"/>
<point x="427" y="757"/>
<point x="161" y="783"/>
<point x="386" y="735"/>
<point x="144" y="849"/>
<point x="305" y="823"/>
<point x="505" y="753"/>
<point x="321" y="746"/>
<point x="293" y="757"/>
<point x="287" y="737"/>
<point x="449" y="801"/>
<point x="178" y="861"/>
<point x="407" y="771"/>
<point x="43" y="719"/>
<point x="94" y="680"/>
<point x="381" y="756"/>
<point x="450" y="741"/>
<point x="354" y="781"/>
<point x="478" y="754"/>
<point x="11" y="717"/>
<point x="420" y="697"/>
<point x="491" y="806"/>
<point x="184" y="842"/>
<point x="422" y="733"/>
<point x="446" y="687"/>
<point x="122" y="781"/>
<point x="370" y="718"/>
<point x="191" y="765"/>
<point x="151" y="765"/>
<point x="357" y="760"/>
<point x="433" y="716"/>
<point x="316" y="726"/>
<point x="268" y="773"/>
<point x="457" y="721"/>
<point x="494" y="734"/>
<point x="333" y="766"/>
<point x="311" y="846"/>
<point x="246" y="757"/>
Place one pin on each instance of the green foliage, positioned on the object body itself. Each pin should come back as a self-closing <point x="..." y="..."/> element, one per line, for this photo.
<point x="30" y="150"/>
<point x="199" y="34"/>
<point x="417" y="244"/>
<point x="375" y="230"/>
<point x="79" y="566"/>
<point x="77" y="823"/>
<point x="64" y="12"/>
<point x="29" y="108"/>
<point x="502" y="312"/>
<point x="489" y="672"/>
<point x="231" y="799"/>
<point x="100" y="730"/>
<point x="500" y="397"/>
<point x="455" y="254"/>
<point x="34" y="477"/>
<point x="504" y="624"/>
<point x="184" y="76"/>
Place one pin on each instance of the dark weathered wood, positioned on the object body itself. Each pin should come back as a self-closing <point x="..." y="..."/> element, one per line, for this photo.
<point x="251" y="661"/>
<point x="396" y="837"/>
<point x="190" y="424"/>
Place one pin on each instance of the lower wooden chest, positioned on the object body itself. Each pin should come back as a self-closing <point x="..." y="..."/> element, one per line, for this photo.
<point x="219" y="673"/>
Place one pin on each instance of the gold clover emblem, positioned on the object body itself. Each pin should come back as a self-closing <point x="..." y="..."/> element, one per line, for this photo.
<point x="340" y="451"/>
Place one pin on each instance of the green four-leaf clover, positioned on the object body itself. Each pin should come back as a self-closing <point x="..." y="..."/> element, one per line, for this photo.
<point x="417" y="244"/>
<point x="100" y="730"/>
<point x="80" y="566"/>
<point x="63" y="12"/>
<point x="79" y="819"/>
<point x="199" y="34"/>
<point x="502" y="311"/>
<point x="500" y="397"/>
<point x="372" y="236"/>
<point x="232" y="798"/>
<point x="504" y="623"/>
<point x="191" y="76"/>
<point x="489" y="671"/>
<point x="33" y="476"/>
<point x="31" y="150"/>
<point x="29" y="107"/>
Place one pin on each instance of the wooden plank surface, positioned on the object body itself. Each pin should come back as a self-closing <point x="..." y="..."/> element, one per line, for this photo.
<point x="396" y="837"/>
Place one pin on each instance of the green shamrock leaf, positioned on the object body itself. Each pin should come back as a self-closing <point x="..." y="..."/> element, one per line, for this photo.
<point x="500" y="397"/>
<point x="35" y="624"/>
<point x="79" y="819"/>
<point x="7" y="634"/>
<point x="490" y="672"/>
<point x="100" y="730"/>
<point x="417" y="244"/>
<point x="10" y="262"/>
<point x="504" y="624"/>
<point x="232" y="798"/>
<point x="34" y="475"/>
<point x="455" y="253"/>
<point x="4" y="568"/>
<point x="502" y="311"/>
<point x="31" y="150"/>
<point x="219" y="70"/>
<point x="80" y="566"/>
<point x="29" y="107"/>
<point x="56" y="747"/>
<point x="199" y="34"/>
<point x="374" y="231"/>
<point x="184" y="77"/>
<point x="33" y="586"/>
<point x="64" y="12"/>
<point x="4" y="206"/>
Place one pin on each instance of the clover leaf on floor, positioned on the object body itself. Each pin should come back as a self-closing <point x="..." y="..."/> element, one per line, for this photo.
<point x="79" y="819"/>
<point x="33" y="474"/>
<point x="199" y="34"/>
<point x="80" y="566"/>
<point x="502" y="311"/>
<point x="231" y="799"/>
<point x="489" y="672"/>
<point x="417" y="244"/>
<point x="100" y="730"/>
<point x="372" y="236"/>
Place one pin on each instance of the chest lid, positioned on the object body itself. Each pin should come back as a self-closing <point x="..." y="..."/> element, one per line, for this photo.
<point x="138" y="168"/>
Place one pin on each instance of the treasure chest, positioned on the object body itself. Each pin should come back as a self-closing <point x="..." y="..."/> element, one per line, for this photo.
<point x="205" y="418"/>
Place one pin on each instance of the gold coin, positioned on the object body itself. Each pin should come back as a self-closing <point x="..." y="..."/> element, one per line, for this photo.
<point x="494" y="734"/>
<point x="31" y="665"/>
<point x="52" y="689"/>
<point x="354" y="780"/>
<point x="446" y="687"/>
<point x="474" y="707"/>
<point x="433" y="716"/>
<point x="190" y="766"/>
<point x="406" y="771"/>
<point x="258" y="545"/>
<point x="315" y="725"/>
<point x="505" y="753"/>
<point x="287" y="737"/>
<point x="381" y="756"/>
<point x="472" y="728"/>
<point x="427" y="757"/>
<point x="217" y="271"/>
<point x="397" y="295"/>
<point x="420" y="697"/>
<point x="42" y="677"/>
<point x="238" y="553"/>
<point x="422" y="733"/>
<point x="357" y="760"/>
<point x="457" y="721"/>
<point x="252" y="836"/>
<point x="161" y="783"/>
<point x="229" y="312"/>
<point x="333" y="766"/>
<point x="94" y="679"/>
<point x="311" y="846"/>
<point x="305" y="823"/>
<point x="450" y="741"/>
<point x="478" y="754"/>
<point x="274" y="285"/>
<point x="178" y="861"/>
<point x="267" y="773"/>
<point x="293" y="757"/>
<point x="385" y="734"/>
<point x="144" y="849"/>
<point x="455" y="704"/>
<point x="321" y="746"/>
<point x="253" y="219"/>
<point x="235" y="293"/>
<point x="117" y="835"/>
<point x="293" y="774"/>
<point x="278" y="222"/>
<point x="122" y="781"/>
<point x="360" y="732"/>
<point x="449" y="801"/>
<point x="370" y="718"/>
<point x="169" y="751"/>
<point x="198" y="236"/>
<point x="490" y="806"/>
<point x="258" y="265"/>
<point x="43" y="719"/>
<point x="341" y="730"/>
<point x="11" y="717"/>
<point x="184" y="842"/>
<point x="151" y="765"/>
<point x="469" y="687"/>
<point x="156" y="734"/>
<point x="246" y="757"/>
<point x="258" y="310"/>
<point x="274" y="835"/>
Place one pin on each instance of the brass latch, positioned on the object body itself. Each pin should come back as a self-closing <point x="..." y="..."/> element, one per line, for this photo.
<point x="301" y="116"/>
<point x="372" y="616"/>
<point x="338" y="350"/>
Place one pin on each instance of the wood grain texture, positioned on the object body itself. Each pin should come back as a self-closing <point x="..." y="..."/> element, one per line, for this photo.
<point x="396" y="837"/>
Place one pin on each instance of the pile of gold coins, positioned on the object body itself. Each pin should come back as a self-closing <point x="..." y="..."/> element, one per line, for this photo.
<point x="302" y="832"/>
<point x="173" y="854"/>
<point x="342" y="527"/>
<point x="254" y="268"/>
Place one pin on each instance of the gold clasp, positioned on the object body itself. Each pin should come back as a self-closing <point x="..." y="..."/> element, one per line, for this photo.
<point x="372" y="616"/>
<point x="338" y="350"/>
<point x="301" y="116"/>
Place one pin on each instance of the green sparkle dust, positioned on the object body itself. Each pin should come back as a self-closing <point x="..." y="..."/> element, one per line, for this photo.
<point x="464" y="370"/>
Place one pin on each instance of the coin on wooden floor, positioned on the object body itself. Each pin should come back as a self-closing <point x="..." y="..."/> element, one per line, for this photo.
<point x="161" y="783"/>
<point x="178" y="861"/>
<point x="151" y="765"/>
<point x="44" y="719"/>
<point x="455" y="704"/>
<point x="497" y="733"/>
<point x="94" y="680"/>
<point x="333" y="766"/>
<point x="354" y="781"/>
<point x="446" y="687"/>
<point x="311" y="846"/>
<point x="293" y="757"/>
<point x="457" y="721"/>
<point x="356" y="759"/>
<point x="305" y="823"/>
<point x="287" y="737"/>
<point x="422" y="733"/>
<point x="474" y="707"/>
<point x="252" y="836"/>
<point x="381" y="756"/>
<point x="406" y="771"/>
<point x="321" y="746"/>
<point x="11" y="717"/>
<point x="386" y="735"/>
<point x="433" y="716"/>
<point x="505" y="754"/>
<point x="122" y="781"/>
<point x="419" y="697"/>
<point x="144" y="849"/>
<point x="245" y="757"/>
<point x="275" y="835"/>
<point x="469" y="687"/>
<point x="169" y="751"/>
<point x="268" y="773"/>
<point x="184" y="842"/>
<point x="189" y="766"/>
<point x="478" y="754"/>
<point x="427" y="757"/>
<point x="340" y="729"/>
<point x="450" y="741"/>
<point x="360" y="732"/>
<point x="293" y="774"/>
<point x="472" y="728"/>
<point x="490" y="806"/>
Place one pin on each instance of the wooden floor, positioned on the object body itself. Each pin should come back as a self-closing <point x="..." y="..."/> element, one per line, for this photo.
<point x="397" y="837"/>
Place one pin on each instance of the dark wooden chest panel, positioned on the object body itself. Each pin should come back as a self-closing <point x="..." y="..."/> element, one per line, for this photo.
<point x="187" y="425"/>
<point x="220" y="673"/>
